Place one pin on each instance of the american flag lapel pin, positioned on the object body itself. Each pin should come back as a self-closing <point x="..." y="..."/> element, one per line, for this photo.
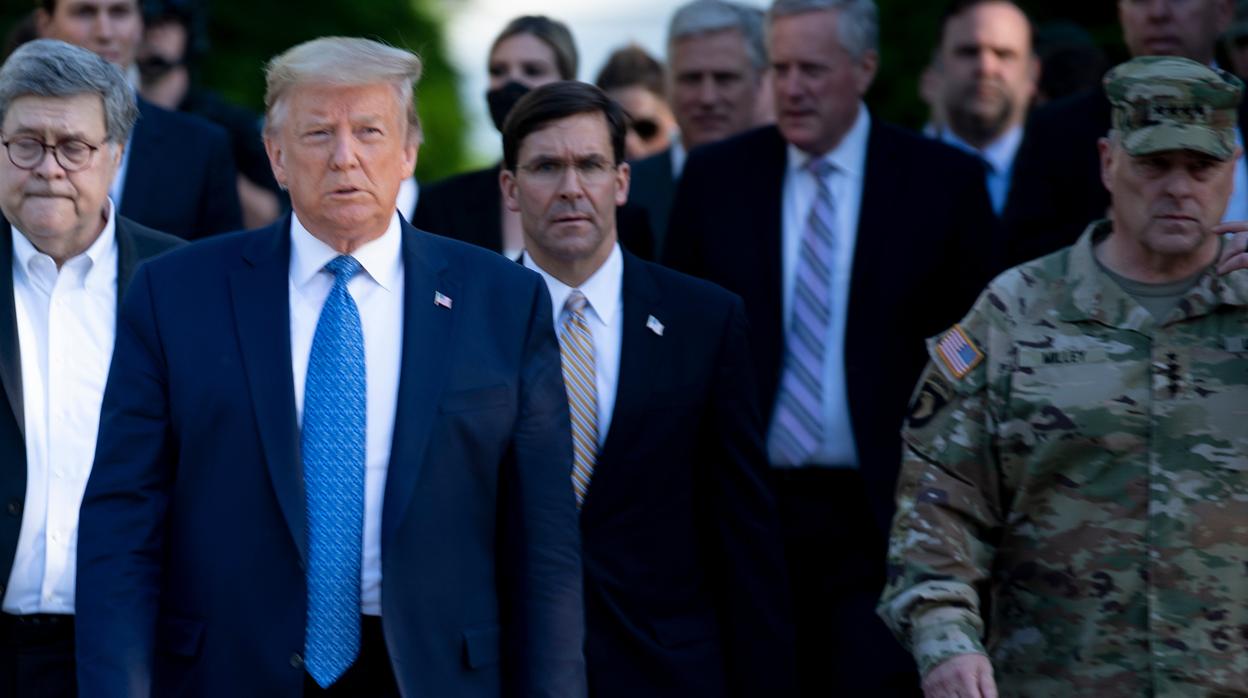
<point x="441" y="300"/>
<point x="653" y="324"/>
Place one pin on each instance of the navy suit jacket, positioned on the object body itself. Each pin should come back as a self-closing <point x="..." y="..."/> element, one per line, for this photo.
<point x="192" y="544"/>
<point x="926" y="246"/>
<point x="135" y="243"/>
<point x="180" y="177"/>
<point x="652" y="187"/>
<point x="685" y="587"/>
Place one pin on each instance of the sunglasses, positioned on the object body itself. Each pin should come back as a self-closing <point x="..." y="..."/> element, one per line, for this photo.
<point x="646" y="129"/>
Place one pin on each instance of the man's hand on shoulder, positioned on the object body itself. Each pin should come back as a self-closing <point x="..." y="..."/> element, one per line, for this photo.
<point x="1234" y="248"/>
<point x="961" y="676"/>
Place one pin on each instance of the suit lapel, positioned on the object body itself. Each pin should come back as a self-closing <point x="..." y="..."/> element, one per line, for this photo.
<point x="10" y="351"/>
<point x="127" y="258"/>
<point x="882" y="188"/>
<point x="427" y="334"/>
<point x="768" y="246"/>
<point x="638" y="355"/>
<point x="261" y="294"/>
<point x="145" y="149"/>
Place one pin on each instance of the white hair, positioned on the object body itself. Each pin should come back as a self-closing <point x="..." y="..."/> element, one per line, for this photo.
<point x="347" y="61"/>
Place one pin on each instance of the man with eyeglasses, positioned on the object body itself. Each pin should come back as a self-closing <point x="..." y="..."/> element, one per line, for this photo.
<point x="685" y="590"/>
<point x="65" y="257"/>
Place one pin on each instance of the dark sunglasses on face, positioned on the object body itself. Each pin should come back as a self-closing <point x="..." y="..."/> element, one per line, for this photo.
<point x="646" y="129"/>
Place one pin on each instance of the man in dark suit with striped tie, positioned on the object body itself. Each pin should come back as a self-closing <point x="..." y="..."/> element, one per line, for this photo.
<point x="685" y="590"/>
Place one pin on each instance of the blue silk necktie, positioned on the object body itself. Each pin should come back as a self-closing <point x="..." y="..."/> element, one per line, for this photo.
<point x="334" y="413"/>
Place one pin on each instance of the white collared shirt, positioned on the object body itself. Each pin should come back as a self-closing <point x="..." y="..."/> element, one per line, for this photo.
<point x="604" y="311"/>
<point x="679" y="155"/>
<point x="999" y="157"/>
<point x="66" y="326"/>
<point x="850" y="159"/>
<point x="378" y="293"/>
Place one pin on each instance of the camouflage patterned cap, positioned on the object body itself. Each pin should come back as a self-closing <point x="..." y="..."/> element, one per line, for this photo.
<point x="1169" y="103"/>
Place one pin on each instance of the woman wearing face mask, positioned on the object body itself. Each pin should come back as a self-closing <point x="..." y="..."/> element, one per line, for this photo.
<point x="531" y="51"/>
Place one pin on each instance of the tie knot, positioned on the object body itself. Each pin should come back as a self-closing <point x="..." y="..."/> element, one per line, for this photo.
<point x="820" y="168"/>
<point x="343" y="267"/>
<point x="575" y="303"/>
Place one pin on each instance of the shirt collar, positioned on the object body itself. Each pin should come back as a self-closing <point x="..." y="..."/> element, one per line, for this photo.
<point x="679" y="154"/>
<point x="849" y="156"/>
<point x="100" y="252"/>
<point x="602" y="289"/>
<point x="999" y="154"/>
<point x="381" y="258"/>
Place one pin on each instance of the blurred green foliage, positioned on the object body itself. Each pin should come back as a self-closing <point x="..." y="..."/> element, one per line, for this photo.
<point x="243" y="34"/>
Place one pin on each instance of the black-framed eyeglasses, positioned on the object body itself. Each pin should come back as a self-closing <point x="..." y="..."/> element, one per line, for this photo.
<point x="71" y="154"/>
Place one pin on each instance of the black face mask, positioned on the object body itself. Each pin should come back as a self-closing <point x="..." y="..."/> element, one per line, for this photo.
<point x="502" y="99"/>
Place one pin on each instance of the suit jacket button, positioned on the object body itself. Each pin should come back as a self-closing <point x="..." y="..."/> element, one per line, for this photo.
<point x="15" y="507"/>
<point x="296" y="660"/>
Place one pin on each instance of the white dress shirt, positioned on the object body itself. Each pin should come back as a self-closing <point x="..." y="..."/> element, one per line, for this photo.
<point x="849" y="158"/>
<point x="66" y="325"/>
<point x="604" y="312"/>
<point x="378" y="293"/>
<point x="679" y="155"/>
<point x="998" y="156"/>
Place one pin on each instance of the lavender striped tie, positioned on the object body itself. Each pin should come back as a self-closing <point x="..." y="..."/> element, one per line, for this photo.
<point x="797" y="426"/>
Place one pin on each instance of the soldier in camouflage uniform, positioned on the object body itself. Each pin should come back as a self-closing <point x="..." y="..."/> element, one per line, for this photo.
<point x="1073" y="509"/>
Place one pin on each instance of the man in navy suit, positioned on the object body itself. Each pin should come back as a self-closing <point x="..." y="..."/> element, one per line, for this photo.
<point x="807" y="222"/>
<point x="685" y="589"/>
<point x="178" y="172"/>
<point x="334" y="452"/>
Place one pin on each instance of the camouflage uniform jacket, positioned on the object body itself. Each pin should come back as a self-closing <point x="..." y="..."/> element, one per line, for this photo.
<point x="1075" y="505"/>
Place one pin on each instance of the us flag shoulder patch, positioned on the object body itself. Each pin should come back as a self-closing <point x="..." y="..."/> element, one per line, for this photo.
<point x="958" y="353"/>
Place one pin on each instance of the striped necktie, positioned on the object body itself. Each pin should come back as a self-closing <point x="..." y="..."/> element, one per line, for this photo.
<point x="797" y="426"/>
<point x="576" y="348"/>
<point x="333" y="447"/>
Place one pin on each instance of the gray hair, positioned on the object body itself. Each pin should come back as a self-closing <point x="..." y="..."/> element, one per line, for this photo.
<point x="51" y="68"/>
<point x="346" y="61"/>
<point x="858" y="21"/>
<point x="707" y="16"/>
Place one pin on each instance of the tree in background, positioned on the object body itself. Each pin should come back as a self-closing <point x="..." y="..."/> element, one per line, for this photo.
<point x="239" y="36"/>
